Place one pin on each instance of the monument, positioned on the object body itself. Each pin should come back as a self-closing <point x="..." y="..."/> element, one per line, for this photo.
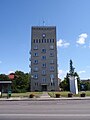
<point x="73" y="79"/>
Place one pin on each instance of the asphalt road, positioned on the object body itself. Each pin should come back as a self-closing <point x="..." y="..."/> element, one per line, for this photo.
<point x="45" y="110"/>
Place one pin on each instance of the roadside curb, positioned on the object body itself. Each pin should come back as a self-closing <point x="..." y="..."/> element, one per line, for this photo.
<point x="44" y="99"/>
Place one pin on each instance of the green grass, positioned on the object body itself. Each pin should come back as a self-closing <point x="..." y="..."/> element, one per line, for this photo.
<point x="87" y="93"/>
<point x="65" y="94"/>
<point x="37" y="94"/>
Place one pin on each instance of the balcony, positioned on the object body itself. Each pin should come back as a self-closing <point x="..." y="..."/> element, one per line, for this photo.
<point x="29" y="59"/>
<point x="30" y="66"/>
<point x="29" y="52"/>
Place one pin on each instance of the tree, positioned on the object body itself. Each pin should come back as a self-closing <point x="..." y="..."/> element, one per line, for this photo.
<point x="3" y="77"/>
<point x="86" y="85"/>
<point x="64" y="85"/>
<point x="21" y="82"/>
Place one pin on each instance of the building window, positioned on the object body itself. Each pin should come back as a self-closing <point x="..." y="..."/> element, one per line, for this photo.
<point x="36" y="40"/>
<point x="51" y="47"/>
<point x="44" y="80"/>
<point x="35" y="61"/>
<point x="35" y="68"/>
<point x="53" y="40"/>
<point x="52" y="78"/>
<point x="51" y="68"/>
<point x="44" y="65"/>
<point x="43" y="57"/>
<point x="42" y="40"/>
<point x="51" y="55"/>
<point x="39" y="40"/>
<point x="36" y="76"/>
<point x="43" y="50"/>
<point x="35" y="54"/>
<point x="50" y="40"/>
<point x="36" y="84"/>
<point x="47" y="40"/>
<point x="35" y="47"/>
<point x="52" y="62"/>
<point x="43" y="72"/>
<point x="52" y="84"/>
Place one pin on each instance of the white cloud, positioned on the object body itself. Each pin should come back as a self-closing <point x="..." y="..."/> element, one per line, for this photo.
<point x="61" y="74"/>
<point x="82" y="39"/>
<point x="84" y="35"/>
<point x="11" y="72"/>
<point x="61" y="43"/>
<point x="81" y="72"/>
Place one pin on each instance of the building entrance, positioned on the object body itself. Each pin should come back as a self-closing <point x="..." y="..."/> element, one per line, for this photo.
<point x="44" y="87"/>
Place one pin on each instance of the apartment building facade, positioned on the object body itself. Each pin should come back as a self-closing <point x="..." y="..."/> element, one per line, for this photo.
<point x="44" y="74"/>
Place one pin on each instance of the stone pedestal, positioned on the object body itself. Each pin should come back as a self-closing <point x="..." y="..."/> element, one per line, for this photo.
<point x="73" y="85"/>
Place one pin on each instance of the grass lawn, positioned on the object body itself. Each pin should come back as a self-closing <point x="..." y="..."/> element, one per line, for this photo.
<point x="37" y="94"/>
<point x="65" y="93"/>
<point x="52" y="94"/>
<point x="87" y="93"/>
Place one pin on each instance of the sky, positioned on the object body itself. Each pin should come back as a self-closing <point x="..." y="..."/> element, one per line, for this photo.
<point x="72" y="21"/>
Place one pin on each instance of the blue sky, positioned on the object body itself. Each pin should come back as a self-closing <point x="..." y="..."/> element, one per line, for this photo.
<point x="72" y="19"/>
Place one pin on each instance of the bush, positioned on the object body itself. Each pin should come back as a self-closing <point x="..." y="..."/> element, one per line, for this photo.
<point x="70" y="94"/>
<point x="82" y="95"/>
<point x="9" y="95"/>
<point x="31" y="95"/>
<point x="57" y="95"/>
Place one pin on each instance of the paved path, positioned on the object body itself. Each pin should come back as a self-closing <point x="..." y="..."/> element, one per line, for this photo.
<point x="45" y="95"/>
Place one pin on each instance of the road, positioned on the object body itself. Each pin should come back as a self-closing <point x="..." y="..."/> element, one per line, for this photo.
<point x="45" y="110"/>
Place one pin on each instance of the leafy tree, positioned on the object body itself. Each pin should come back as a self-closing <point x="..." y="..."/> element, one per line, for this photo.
<point x="3" y="77"/>
<point x="21" y="82"/>
<point x="64" y="85"/>
<point x="86" y="85"/>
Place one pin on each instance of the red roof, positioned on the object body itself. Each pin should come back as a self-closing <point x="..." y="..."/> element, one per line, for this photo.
<point x="11" y="76"/>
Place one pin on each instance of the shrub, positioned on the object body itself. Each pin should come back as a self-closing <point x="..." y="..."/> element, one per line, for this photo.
<point x="57" y="95"/>
<point x="82" y="95"/>
<point x="70" y="94"/>
<point x="31" y="95"/>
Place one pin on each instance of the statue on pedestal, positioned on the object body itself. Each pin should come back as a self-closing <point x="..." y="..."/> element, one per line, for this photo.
<point x="71" y="68"/>
<point x="72" y="79"/>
